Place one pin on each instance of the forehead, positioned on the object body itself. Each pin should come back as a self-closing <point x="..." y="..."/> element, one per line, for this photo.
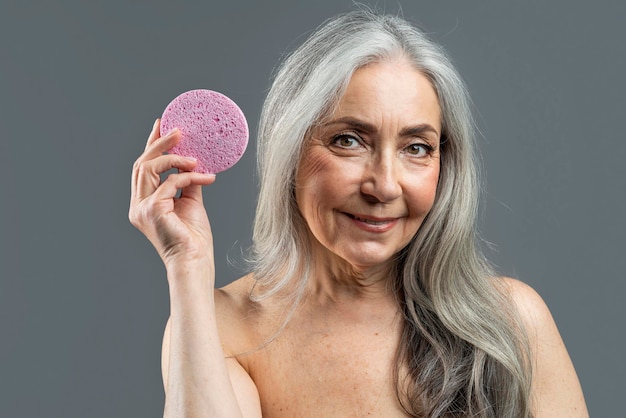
<point x="390" y="89"/>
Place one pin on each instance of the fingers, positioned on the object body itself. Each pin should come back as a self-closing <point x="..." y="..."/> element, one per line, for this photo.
<point x="159" y="145"/>
<point x="147" y="170"/>
<point x="145" y="208"/>
<point x="154" y="133"/>
<point x="193" y="192"/>
<point x="191" y="183"/>
<point x="147" y="174"/>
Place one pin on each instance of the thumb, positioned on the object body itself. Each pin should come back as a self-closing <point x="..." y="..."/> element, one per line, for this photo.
<point x="194" y="190"/>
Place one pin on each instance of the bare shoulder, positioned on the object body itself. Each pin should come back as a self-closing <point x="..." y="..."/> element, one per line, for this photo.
<point x="234" y="311"/>
<point x="556" y="389"/>
<point x="531" y="307"/>
<point x="235" y="296"/>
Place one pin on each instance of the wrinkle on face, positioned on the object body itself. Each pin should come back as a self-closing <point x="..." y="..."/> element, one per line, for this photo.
<point x="374" y="161"/>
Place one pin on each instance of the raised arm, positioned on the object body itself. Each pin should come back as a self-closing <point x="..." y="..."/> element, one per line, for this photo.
<point x="197" y="377"/>
<point x="556" y="390"/>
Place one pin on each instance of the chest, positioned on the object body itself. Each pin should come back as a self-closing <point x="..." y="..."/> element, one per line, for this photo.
<point x="327" y="373"/>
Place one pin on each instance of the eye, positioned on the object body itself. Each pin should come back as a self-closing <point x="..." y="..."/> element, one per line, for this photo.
<point x="345" y="141"/>
<point x="419" y="149"/>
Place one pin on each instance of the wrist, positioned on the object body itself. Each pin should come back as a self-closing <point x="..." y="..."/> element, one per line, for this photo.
<point x="190" y="274"/>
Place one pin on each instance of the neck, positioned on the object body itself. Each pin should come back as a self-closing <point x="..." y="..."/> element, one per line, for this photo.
<point x="344" y="304"/>
<point x="335" y="280"/>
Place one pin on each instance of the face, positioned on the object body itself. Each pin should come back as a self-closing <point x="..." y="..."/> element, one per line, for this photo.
<point x="369" y="173"/>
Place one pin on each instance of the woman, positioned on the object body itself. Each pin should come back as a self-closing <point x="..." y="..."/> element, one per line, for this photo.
<point x="368" y="294"/>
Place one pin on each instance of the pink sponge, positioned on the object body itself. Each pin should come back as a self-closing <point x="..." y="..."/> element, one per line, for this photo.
<point x="213" y="129"/>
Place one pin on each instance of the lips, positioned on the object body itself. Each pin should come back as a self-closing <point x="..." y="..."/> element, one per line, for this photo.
<point x="371" y="223"/>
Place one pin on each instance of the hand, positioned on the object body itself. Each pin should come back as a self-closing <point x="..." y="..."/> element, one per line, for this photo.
<point x="178" y="227"/>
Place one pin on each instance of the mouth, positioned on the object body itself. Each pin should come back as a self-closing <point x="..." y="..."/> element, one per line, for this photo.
<point x="370" y="220"/>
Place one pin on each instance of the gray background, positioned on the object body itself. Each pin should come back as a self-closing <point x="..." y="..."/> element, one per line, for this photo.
<point x="83" y="296"/>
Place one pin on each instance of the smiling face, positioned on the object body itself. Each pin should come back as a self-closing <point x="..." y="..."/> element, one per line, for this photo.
<point x="369" y="172"/>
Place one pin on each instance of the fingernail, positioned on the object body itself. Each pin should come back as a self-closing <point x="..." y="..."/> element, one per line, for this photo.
<point x="192" y="159"/>
<point x="171" y="132"/>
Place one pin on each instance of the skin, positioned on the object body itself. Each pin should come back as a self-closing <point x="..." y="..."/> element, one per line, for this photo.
<point x="367" y="182"/>
<point x="370" y="173"/>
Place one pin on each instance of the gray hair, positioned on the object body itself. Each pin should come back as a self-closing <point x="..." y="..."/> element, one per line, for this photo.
<point x="443" y="283"/>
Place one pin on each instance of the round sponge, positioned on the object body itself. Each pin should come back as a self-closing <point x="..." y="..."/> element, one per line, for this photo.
<point x="213" y="129"/>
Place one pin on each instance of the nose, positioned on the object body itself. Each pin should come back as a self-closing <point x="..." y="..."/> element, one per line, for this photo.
<point x="381" y="179"/>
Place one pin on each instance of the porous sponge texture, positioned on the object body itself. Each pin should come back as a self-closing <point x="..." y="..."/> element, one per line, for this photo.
<point x="213" y="129"/>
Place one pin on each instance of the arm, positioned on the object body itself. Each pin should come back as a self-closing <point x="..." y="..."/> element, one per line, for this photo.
<point x="197" y="376"/>
<point x="556" y="390"/>
<point x="244" y="388"/>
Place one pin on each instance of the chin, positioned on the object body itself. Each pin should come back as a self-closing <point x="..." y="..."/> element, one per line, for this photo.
<point x="365" y="261"/>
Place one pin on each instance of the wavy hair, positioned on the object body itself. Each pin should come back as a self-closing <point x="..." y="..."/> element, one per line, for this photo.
<point x="463" y="350"/>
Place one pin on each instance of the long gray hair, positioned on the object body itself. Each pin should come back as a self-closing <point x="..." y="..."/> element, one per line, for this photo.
<point x="463" y="350"/>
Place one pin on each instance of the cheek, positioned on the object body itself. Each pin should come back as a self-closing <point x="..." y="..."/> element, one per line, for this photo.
<point x="432" y="185"/>
<point x="321" y="173"/>
<point x="309" y="181"/>
<point x="424" y="192"/>
<point x="309" y="167"/>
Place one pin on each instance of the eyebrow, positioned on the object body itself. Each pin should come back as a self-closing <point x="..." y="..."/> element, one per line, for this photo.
<point x="413" y="130"/>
